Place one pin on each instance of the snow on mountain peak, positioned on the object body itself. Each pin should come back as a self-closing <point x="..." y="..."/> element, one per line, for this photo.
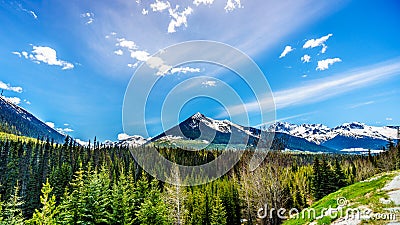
<point x="319" y="133"/>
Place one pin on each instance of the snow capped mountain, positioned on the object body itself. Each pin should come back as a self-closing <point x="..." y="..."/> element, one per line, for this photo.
<point x="133" y="141"/>
<point x="125" y="140"/>
<point x="321" y="134"/>
<point x="221" y="132"/>
<point x="223" y="126"/>
<point x="316" y="133"/>
<point x="307" y="137"/>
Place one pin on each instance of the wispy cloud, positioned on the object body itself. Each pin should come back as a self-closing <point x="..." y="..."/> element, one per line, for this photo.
<point x="324" y="64"/>
<point x="209" y="83"/>
<point x="205" y="2"/>
<point x="312" y="43"/>
<point x="325" y="88"/>
<point x="47" y="55"/>
<point x="9" y="87"/>
<point x="185" y="70"/>
<point x="30" y="12"/>
<point x="361" y="104"/>
<point x="287" y="49"/>
<point x="89" y="16"/>
<point x="389" y="119"/>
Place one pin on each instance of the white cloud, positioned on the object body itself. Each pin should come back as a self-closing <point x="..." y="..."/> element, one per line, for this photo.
<point x="324" y="47"/>
<point x="58" y="129"/>
<point x="130" y="65"/>
<point x="232" y="5"/>
<point x="119" y="52"/>
<point x="185" y="70"/>
<point x="158" y="63"/>
<point x="47" y="55"/>
<point x="89" y="16"/>
<point x="33" y="14"/>
<point x="324" y="64"/>
<point x="305" y="58"/>
<point x="25" y="54"/>
<point x="17" y="53"/>
<point x="27" y="102"/>
<point x="160" y="6"/>
<point x="304" y="76"/>
<point x="140" y="55"/>
<point x="8" y="87"/>
<point x="50" y="124"/>
<point x="30" y="12"/>
<point x="13" y="100"/>
<point x="178" y="18"/>
<point x="123" y="136"/>
<point x="312" y="43"/>
<point x="389" y="119"/>
<point x="287" y="49"/>
<point x="209" y="83"/>
<point x="205" y="2"/>
<point x="68" y="130"/>
<point x="122" y="42"/>
<point x="145" y="11"/>
<point x="325" y="88"/>
<point x="361" y="104"/>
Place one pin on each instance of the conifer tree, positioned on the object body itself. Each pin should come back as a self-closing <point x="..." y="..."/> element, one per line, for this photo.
<point x="122" y="201"/>
<point x="340" y="178"/>
<point x="153" y="211"/>
<point x="12" y="212"/>
<point x="218" y="215"/>
<point x="317" y="179"/>
<point x="46" y="216"/>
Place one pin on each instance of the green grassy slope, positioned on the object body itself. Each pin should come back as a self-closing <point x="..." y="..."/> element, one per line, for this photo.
<point x="363" y="195"/>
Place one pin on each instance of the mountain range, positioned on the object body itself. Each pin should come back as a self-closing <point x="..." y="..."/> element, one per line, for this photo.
<point x="200" y="131"/>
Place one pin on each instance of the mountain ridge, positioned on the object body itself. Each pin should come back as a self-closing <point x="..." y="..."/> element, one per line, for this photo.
<point x="17" y="120"/>
<point x="314" y="137"/>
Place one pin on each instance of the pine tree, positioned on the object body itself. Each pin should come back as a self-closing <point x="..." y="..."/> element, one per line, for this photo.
<point x="327" y="178"/>
<point x="122" y="201"/>
<point x="72" y="207"/>
<point x="46" y="216"/>
<point x="12" y="212"/>
<point x="97" y="200"/>
<point x="340" y="178"/>
<point x="153" y="211"/>
<point x="317" y="180"/>
<point x="218" y="214"/>
<point x="1" y="211"/>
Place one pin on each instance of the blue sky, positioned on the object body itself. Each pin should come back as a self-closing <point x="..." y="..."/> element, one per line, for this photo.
<point x="329" y="62"/>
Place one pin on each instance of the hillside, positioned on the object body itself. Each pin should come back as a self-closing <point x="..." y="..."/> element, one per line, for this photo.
<point x="376" y="199"/>
<point x="16" y="120"/>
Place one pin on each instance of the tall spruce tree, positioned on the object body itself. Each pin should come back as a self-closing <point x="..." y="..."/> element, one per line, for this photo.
<point x="46" y="215"/>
